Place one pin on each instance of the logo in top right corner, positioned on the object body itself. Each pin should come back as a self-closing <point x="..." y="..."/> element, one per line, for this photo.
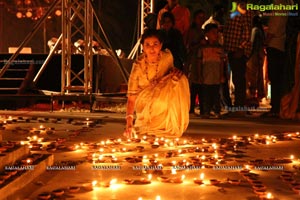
<point x="238" y="9"/>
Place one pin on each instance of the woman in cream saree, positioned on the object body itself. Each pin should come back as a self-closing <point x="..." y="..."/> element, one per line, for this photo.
<point x="157" y="91"/>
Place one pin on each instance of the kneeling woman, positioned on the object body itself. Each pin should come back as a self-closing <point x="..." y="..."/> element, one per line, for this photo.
<point x="157" y="92"/>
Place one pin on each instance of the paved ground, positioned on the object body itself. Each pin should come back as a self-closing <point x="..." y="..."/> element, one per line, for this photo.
<point x="111" y="125"/>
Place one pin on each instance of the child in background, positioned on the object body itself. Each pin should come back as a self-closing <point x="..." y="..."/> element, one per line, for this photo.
<point x="210" y="61"/>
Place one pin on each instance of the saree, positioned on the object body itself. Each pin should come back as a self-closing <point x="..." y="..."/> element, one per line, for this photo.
<point x="162" y="108"/>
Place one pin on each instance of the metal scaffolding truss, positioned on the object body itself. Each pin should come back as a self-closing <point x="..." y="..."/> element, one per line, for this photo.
<point x="77" y="23"/>
<point x="77" y="30"/>
<point x="145" y="7"/>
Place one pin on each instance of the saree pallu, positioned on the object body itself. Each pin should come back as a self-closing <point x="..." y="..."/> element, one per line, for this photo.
<point x="163" y="109"/>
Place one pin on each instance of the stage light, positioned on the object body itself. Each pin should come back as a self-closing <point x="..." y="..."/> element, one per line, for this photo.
<point x="28" y="14"/>
<point x="19" y="15"/>
<point x="19" y="2"/>
<point x="79" y="43"/>
<point x="58" y="13"/>
<point x="39" y="12"/>
<point x="27" y="2"/>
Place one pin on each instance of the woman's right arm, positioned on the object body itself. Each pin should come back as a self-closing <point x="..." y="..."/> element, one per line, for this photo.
<point x="130" y="111"/>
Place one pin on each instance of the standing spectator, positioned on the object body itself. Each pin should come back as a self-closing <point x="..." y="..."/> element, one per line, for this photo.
<point x="210" y="60"/>
<point x="237" y="44"/>
<point x="290" y="101"/>
<point x="195" y="38"/>
<point x="275" y="41"/>
<point x="173" y="39"/>
<point x="218" y="18"/>
<point x="181" y="14"/>
<point x="195" y="35"/>
<point x="254" y="74"/>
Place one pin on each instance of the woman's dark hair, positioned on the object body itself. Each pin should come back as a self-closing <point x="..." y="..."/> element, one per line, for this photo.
<point x="151" y="33"/>
<point x="209" y="27"/>
<point x="167" y="15"/>
<point x="196" y="13"/>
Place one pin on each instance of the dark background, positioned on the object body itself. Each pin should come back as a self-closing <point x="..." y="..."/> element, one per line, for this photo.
<point x="118" y="19"/>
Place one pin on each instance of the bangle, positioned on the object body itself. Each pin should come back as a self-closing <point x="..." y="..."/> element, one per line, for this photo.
<point x="127" y="116"/>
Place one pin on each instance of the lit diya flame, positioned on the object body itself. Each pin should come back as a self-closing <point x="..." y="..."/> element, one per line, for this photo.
<point x="173" y="171"/>
<point x="274" y="139"/>
<point x="94" y="183"/>
<point x="216" y="156"/>
<point x="199" y="181"/>
<point x="292" y="157"/>
<point x="144" y="160"/>
<point x="41" y="127"/>
<point x="114" y="158"/>
<point x="157" y="197"/>
<point x="28" y="161"/>
<point x="182" y="177"/>
<point x="214" y="145"/>
<point x="156" y="143"/>
<point x="202" y="176"/>
<point x="149" y="177"/>
<point x="234" y="137"/>
<point x="113" y="181"/>
<point x="256" y="135"/>
<point x="269" y="195"/>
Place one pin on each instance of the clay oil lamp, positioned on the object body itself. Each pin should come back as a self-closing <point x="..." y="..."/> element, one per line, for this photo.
<point x="200" y="180"/>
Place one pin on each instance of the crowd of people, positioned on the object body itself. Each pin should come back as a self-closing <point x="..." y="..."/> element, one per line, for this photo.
<point x="185" y="65"/>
